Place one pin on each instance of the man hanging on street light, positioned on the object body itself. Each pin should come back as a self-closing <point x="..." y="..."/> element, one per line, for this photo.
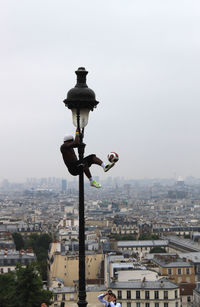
<point x="73" y="164"/>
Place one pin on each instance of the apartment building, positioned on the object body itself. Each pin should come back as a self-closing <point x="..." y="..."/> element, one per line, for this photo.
<point x="10" y="259"/>
<point x="161" y="293"/>
<point x="186" y="294"/>
<point x="125" y="229"/>
<point x="141" y="246"/>
<point x="64" y="265"/>
<point x="196" y="296"/>
<point x="176" y="269"/>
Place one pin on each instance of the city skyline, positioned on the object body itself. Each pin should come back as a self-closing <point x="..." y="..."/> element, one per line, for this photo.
<point x="143" y="63"/>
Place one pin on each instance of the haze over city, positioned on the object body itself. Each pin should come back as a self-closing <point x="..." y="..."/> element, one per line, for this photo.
<point x="144" y="66"/>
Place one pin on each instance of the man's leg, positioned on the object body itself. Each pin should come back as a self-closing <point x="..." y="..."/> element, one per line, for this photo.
<point x="97" y="161"/>
<point x="93" y="182"/>
<point x="87" y="171"/>
<point x="106" y="167"/>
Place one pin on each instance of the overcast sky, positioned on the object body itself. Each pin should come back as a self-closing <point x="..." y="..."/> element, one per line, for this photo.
<point x="143" y="58"/>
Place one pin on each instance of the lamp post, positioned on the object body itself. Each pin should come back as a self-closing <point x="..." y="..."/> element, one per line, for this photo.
<point x="81" y="100"/>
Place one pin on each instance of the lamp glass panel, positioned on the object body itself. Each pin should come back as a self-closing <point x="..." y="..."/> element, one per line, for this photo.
<point x="84" y="115"/>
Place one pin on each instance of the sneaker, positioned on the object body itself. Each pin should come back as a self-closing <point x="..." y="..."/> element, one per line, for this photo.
<point x="108" y="166"/>
<point x="95" y="184"/>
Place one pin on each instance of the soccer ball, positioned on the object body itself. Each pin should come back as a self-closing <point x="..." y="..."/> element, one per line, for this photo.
<point x="113" y="157"/>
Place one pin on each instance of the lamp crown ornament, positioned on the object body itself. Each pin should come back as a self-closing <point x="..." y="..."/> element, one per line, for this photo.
<point x="81" y="96"/>
<point x="81" y="100"/>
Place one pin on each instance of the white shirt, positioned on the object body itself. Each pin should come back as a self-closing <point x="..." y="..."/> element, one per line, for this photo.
<point x="111" y="304"/>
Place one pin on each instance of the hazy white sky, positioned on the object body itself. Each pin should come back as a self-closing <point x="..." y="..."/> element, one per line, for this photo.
<point x="144" y="66"/>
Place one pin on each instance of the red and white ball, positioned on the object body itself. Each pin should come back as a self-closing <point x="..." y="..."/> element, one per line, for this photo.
<point x="113" y="157"/>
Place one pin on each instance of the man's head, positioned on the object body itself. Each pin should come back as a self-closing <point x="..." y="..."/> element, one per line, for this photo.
<point x="43" y="305"/>
<point x="68" y="138"/>
<point x="113" y="297"/>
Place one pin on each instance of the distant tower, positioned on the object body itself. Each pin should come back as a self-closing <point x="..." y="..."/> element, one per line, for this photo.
<point x="64" y="185"/>
<point x="180" y="182"/>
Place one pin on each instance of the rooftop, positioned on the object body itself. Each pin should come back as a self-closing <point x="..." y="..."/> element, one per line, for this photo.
<point x="160" y="284"/>
<point x="170" y="261"/>
<point x="144" y="243"/>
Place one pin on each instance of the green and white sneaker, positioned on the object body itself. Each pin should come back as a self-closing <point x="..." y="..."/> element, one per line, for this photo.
<point x="95" y="184"/>
<point x="108" y="166"/>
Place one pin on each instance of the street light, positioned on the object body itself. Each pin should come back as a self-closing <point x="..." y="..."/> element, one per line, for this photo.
<point x="81" y="100"/>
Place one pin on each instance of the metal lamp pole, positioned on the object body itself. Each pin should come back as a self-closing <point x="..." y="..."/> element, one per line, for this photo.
<point x="81" y="100"/>
<point x="82" y="286"/>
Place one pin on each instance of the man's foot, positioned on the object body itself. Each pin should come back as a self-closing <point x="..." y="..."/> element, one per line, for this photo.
<point x="95" y="184"/>
<point x="108" y="166"/>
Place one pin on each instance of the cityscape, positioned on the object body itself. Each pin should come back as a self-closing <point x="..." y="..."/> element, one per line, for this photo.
<point x="142" y="238"/>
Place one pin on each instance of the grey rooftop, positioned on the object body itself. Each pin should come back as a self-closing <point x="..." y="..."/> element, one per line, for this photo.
<point x="143" y="243"/>
<point x="161" y="284"/>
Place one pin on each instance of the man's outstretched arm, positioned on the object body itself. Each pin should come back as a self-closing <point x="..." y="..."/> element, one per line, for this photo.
<point x="101" y="298"/>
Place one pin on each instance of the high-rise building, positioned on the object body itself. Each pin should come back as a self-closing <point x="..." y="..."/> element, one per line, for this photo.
<point x="64" y="185"/>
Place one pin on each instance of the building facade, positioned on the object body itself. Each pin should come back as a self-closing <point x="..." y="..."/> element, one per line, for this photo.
<point x="130" y="294"/>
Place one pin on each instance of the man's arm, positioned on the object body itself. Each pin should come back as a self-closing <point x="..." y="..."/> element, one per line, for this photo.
<point x="101" y="298"/>
<point x="72" y="144"/>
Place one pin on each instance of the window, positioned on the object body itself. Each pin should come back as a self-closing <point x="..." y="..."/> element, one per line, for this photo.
<point x="170" y="271"/>
<point x="1" y="270"/>
<point x="156" y="304"/>
<point x="119" y="294"/>
<point x="156" y="295"/>
<point x="128" y="293"/>
<point x="176" y="304"/>
<point x="179" y="271"/>
<point x="187" y="271"/>
<point x="165" y="304"/>
<point x="146" y="295"/>
<point x="128" y="304"/>
<point x="55" y="297"/>
<point x="147" y="305"/>
<point x="137" y="294"/>
<point x="12" y="261"/>
<point x="63" y="297"/>
<point x="176" y="294"/>
<point x="189" y="299"/>
<point x="71" y="297"/>
<point x="137" y="304"/>
<point x="165" y="295"/>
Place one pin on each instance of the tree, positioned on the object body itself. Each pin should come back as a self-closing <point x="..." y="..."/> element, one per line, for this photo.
<point x="40" y="246"/>
<point x="123" y="237"/>
<point x="145" y="236"/>
<point x="29" y="287"/>
<point x="18" y="240"/>
<point x="23" y="288"/>
<point x="38" y="242"/>
<point x="158" y="250"/>
<point x="7" y="289"/>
